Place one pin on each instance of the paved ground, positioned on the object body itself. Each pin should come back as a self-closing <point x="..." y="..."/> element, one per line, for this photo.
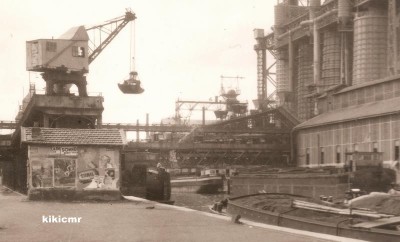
<point x="21" y="220"/>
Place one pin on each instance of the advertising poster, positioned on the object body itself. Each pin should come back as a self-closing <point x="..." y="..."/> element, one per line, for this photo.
<point x="88" y="169"/>
<point x="42" y="173"/>
<point x="97" y="169"/>
<point x="109" y="168"/>
<point x="64" y="172"/>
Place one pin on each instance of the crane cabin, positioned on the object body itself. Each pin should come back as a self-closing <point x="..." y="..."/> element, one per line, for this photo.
<point x="68" y="52"/>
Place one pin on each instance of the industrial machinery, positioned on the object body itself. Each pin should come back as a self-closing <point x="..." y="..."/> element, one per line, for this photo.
<point x="131" y="85"/>
<point x="228" y="108"/>
<point x="65" y="61"/>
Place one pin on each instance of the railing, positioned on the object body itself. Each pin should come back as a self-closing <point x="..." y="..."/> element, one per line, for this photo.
<point x="150" y="128"/>
<point x="186" y="129"/>
<point x="72" y="93"/>
<point x="361" y="2"/>
<point x="207" y="146"/>
<point x="8" y="125"/>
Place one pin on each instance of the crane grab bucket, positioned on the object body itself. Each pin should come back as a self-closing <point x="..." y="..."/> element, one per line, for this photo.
<point x="131" y="85"/>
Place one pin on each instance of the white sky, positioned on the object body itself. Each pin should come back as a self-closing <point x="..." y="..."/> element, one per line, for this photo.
<point x="182" y="49"/>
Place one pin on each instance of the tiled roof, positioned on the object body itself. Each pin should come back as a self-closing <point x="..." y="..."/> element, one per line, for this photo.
<point x="368" y="110"/>
<point x="114" y="137"/>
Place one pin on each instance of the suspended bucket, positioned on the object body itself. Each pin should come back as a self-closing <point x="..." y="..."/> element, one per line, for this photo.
<point x="220" y="114"/>
<point x="131" y="85"/>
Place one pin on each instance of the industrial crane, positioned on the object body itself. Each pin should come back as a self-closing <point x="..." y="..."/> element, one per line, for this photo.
<point x="65" y="61"/>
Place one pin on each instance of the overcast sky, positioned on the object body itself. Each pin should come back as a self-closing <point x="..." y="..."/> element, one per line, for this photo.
<point x="182" y="49"/>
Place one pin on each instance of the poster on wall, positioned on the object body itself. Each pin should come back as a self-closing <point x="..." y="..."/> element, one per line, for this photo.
<point x="64" y="172"/>
<point x="108" y="168"/>
<point x="87" y="170"/>
<point x="64" y="151"/>
<point x="42" y="173"/>
<point x="98" y="169"/>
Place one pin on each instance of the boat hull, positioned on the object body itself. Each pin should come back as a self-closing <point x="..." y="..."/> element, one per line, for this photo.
<point x="206" y="185"/>
<point x="284" y="220"/>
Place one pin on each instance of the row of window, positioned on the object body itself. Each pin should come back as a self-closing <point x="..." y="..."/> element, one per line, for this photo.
<point x="338" y="157"/>
<point x="77" y="51"/>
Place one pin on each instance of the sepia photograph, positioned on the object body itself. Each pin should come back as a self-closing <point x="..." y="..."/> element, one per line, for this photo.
<point x="188" y="120"/>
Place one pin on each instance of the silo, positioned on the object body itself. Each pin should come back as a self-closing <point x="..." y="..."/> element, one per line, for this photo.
<point x="305" y="78"/>
<point x="315" y="3"/>
<point x="281" y="17"/>
<point x="345" y="11"/>
<point x="330" y="74"/>
<point x="282" y="73"/>
<point x="370" y="46"/>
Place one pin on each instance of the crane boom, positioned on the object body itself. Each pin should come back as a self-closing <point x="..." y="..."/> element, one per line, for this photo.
<point x="69" y="62"/>
<point x="111" y="28"/>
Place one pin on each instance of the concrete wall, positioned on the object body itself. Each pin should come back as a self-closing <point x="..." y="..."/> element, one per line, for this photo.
<point x="311" y="186"/>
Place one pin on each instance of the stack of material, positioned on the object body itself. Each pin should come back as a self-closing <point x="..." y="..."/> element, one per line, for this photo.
<point x="380" y="202"/>
<point x="346" y="211"/>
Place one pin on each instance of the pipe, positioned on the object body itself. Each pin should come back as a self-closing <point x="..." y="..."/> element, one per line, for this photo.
<point x="347" y="59"/>
<point x="307" y="22"/>
<point x="137" y="130"/>
<point x="312" y="21"/>
<point x="203" y="109"/>
<point x="317" y="56"/>
<point x="147" y="126"/>
<point x="279" y="37"/>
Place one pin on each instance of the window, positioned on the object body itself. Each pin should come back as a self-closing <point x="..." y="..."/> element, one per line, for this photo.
<point x="271" y="118"/>
<point x="396" y="150"/>
<point x="51" y="46"/>
<point x="322" y="156"/>
<point x="338" y="154"/>
<point x="78" y="51"/>
<point x="375" y="147"/>
<point x="307" y="156"/>
<point x="250" y="123"/>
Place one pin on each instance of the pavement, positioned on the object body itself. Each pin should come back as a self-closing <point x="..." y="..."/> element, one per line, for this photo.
<point x="141" y="220"/>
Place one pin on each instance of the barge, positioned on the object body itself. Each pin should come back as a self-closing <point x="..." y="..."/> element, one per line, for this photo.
<point x="278" y="209"/>
<point x="205" y="185"/>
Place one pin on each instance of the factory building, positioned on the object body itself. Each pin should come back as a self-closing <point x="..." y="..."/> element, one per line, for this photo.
<point x="337" y="71"/>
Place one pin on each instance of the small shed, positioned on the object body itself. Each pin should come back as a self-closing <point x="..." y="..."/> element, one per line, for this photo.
<point x="69" y="51"/>
<point x="74" y="164"/>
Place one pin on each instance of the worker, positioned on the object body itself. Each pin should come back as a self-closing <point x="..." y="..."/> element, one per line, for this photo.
<point x="394" y="189"/>
<point x="160" y="167"/>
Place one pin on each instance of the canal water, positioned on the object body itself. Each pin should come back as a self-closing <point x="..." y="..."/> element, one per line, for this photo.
<point x="196" y="201"/>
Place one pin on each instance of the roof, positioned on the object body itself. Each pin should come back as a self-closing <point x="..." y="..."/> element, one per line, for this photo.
<point x="76" y="33"/>
<point x="58" y="136"/>
<point x="288" y="115"/>
<point x="370" y="83"/>
<point x="363" y="111"/>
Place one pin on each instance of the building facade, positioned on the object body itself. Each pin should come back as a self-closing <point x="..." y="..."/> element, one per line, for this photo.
<point x="73" y="163"/>
<point x="363" y="118"/>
